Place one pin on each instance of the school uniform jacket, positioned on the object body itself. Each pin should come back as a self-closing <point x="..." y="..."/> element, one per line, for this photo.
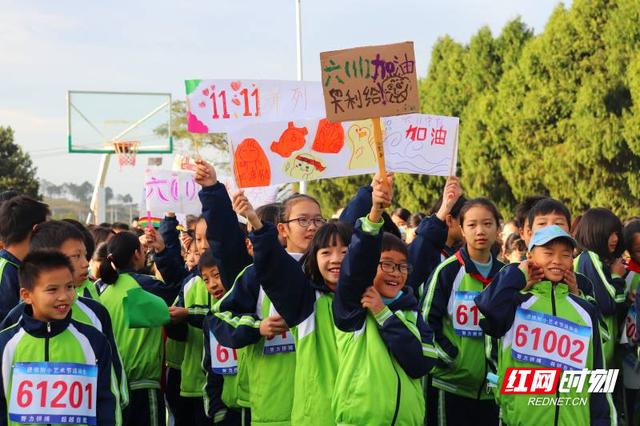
<point x="90" y="312"/>
<point x="381" y="358"/>
<point x="66" y="341"/>
<point x="499" y="304"/>
<point x="9" y="284"/>
<point x="466" y="356"/>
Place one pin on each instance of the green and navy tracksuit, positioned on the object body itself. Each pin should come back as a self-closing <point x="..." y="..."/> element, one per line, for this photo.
<point x="87" y="311"/>
<point x="56" y="346"/>
<point x="306" y="308"/>
<point x="224" y="374"/>
<point x="629" y="334"/>
<point x="609" y="293"/>
<point x="514" y="315"/>
<point x="448" y="307"/>
<point x="9" y="284"/>
<point x="88" y="289"/>
<point x="381" y="358"/>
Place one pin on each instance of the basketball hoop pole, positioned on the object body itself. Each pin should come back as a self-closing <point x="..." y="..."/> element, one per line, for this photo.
<point x="98" y="199"/>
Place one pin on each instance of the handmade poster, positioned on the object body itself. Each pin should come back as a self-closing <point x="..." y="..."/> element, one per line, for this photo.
<point x="368" y="82"/>
<point x="170" y="191"/>
<point x="284" y="152"/>
<point x="421" y="144"/>
<point x="257" y="196"/>
<point x="222" y="106"/>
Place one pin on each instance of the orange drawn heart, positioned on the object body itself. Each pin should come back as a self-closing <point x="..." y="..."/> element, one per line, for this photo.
<point x="205" y="92"/>
<point x="235" y="85"/>
<point x="236" y="101"/>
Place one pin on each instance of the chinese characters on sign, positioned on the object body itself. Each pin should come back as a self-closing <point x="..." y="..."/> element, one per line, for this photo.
<point x="367" y="82"/>
<point x="171" y="191"/>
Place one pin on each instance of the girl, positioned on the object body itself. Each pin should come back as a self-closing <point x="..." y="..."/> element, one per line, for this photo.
<point x="515" y="250"/>
<point x="384" y="346"/>
<point x="304" y="300"/>
<point x="631" y="236"/>
<point x="450" y="310"/>
<point x="599" y="236"/>
<point x="140" y="348"/>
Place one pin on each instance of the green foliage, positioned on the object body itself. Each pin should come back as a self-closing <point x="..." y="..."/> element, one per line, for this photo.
<point x="16" y="168"/>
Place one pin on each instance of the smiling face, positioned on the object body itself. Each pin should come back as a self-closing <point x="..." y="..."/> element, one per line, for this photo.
<point x="329" y="260"/>
<point x="52" y="294"/>
<point x="213" y="282"/>
<point x="555" y="258"/>
<point x="480" y="228"/>
<point x="77" y="253"/>
<point x="389" y="284"/>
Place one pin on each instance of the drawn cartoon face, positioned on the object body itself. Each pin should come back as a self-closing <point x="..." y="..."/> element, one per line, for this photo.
<point x="396" y="89"/>
<point x="302" y="167"/>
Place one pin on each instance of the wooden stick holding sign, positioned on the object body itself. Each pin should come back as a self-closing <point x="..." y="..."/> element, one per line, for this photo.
<point x="370" y="82"/>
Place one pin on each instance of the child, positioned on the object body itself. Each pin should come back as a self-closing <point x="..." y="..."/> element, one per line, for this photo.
<point x="629" y="339"/>
<point x="47" y="287"/>
<point x="515" y="250"/>
<point x="507" y="306"/>
<point x="88" y="288"/>
<point x="18" y="216"/>
<point x="522" y="216"/>
<point x="449" y="309"/>
<point x="384" y="347"/>
<point x="599" y="236"/>
<point x="223" y="371"/>
<point x="141" y="348"/>
<point x="67" y="239"/>
<point x="304" y="300"/>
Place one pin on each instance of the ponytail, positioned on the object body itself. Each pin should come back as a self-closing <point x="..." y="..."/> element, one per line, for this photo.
<point x="120" y="251"/>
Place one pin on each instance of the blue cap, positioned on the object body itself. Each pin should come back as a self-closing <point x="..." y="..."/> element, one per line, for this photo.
<point x="549" y="233"/>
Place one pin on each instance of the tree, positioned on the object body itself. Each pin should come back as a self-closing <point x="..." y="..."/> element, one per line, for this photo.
<point x="16" y="168"/>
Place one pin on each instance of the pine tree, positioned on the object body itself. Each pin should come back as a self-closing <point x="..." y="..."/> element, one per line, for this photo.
<point x="16" y="168"/>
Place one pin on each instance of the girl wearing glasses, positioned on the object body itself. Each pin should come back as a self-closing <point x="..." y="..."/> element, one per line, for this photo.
<point x="384" y="346"/>
<point x="450" y="310"/>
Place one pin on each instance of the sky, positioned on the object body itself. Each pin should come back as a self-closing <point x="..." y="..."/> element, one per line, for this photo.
<point x="49" y="47"/>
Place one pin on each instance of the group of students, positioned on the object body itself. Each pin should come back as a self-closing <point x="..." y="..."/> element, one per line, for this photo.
<point x="286" y="318"/>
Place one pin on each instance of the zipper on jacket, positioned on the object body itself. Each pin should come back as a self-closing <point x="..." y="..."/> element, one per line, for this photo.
<point x="553" y="312"/>
<point x="397" y="410"/>
<point x="46" y="346"/>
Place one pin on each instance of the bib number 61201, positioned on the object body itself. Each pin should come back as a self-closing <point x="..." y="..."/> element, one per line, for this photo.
<point x="58" y="394"/>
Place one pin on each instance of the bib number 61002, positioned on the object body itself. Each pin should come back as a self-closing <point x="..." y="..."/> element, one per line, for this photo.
<point x="550" y="342"/>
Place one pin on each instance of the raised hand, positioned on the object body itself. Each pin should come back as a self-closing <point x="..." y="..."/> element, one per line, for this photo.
<point x="205" y="174"/>
<point x="243" y="207"/>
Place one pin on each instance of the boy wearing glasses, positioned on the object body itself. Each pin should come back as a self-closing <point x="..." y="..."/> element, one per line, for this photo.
<point x="384" y="346"/>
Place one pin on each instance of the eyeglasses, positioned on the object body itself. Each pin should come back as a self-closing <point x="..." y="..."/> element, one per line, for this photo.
<point x="304" y="222"/>
<point x="389" y="267"/>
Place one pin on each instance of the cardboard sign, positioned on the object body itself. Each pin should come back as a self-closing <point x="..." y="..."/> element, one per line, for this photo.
<point x="368" y="82"/>
<point x="284" y="152"/>
<point x="171" y="191"/>
<point x="225" y="105"/>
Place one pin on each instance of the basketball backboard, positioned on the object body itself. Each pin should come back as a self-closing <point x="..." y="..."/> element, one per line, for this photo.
<point x="98" y="119"/>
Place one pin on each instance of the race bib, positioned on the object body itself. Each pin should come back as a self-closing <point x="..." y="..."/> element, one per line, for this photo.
<point x="53" y="392"/>
<point x="466" y="316"/>
<point x="550" y="341"/>
<point x="223" y="360"/>
<point x="280" y="343"/>
<point x="629" y="331"/>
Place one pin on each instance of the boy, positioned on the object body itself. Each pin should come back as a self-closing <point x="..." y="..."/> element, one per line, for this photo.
<point x="75" y="365"/>
<point x="18" y="217"/>
<point x="65" y="238"/>
<point x="515" y="308"/>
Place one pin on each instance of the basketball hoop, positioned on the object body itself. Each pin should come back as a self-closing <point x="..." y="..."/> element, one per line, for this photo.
<point x="126" y="152"/>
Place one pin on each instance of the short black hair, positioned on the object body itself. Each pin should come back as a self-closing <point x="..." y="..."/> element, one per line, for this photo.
<point x="482" y="202"/>
<point x="7" y="195"/>
<point x="415" y="219"/>
<point x="269" y="212"/>
<point x="18" y="216"/>
<point x="402" y="213"/>
<point x="52" y="234"/>
<point x="327" y="235"/>
<point x="594" y="230"/>
<point x="121" y="226"/>
<point x="391" y="242"/>
<point x="548" y="206"/>
<point x="514" y="243"/>
<point x="101" y="234"/>
<point x="630" y="230"/>
<point x="522" y="209"/>
<point x="455" y="210"/>
<point x="207" y="260"/>
<point x="39" y="261"/>
<point x="89" y="243"/>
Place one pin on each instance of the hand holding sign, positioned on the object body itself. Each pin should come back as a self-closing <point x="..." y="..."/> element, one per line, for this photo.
<point x="205" y="174"/>
<point x="381" y="196"/>
<point x="243" y="207"/>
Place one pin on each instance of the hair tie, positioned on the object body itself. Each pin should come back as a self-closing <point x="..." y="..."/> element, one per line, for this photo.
<point x="110" y="259"/>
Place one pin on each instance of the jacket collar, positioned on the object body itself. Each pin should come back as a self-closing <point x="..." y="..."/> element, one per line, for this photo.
<point x="463" y="258"/>
<point x="407" y="301"/>
<point x="39" y="328"/>
<point x="10" y="258"/>
<point x="544" y="288"/>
